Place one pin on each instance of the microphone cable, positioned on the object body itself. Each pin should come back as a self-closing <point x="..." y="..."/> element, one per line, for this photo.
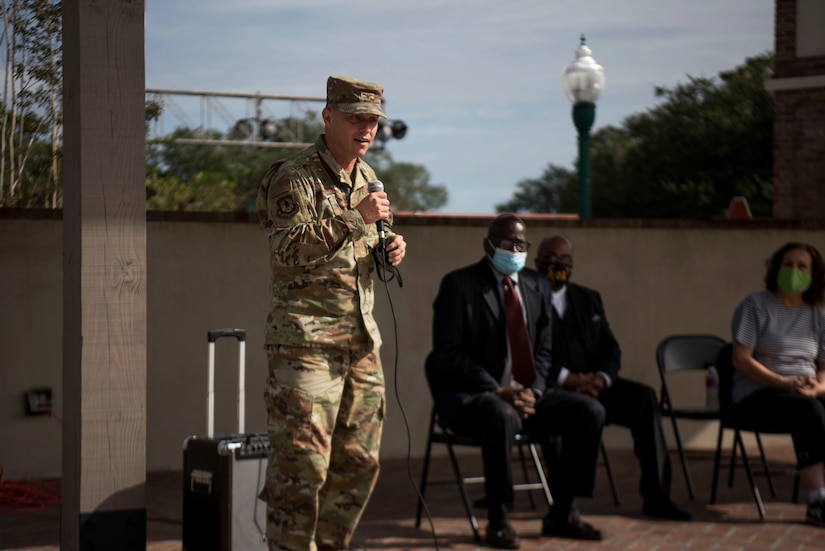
<point x="384" y="262"/>
<point x="385" y="271"/>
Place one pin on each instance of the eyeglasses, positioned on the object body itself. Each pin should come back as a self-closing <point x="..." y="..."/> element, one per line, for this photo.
<point x="510" y="245"/>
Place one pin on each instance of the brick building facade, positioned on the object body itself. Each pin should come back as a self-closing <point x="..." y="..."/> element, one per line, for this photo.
<point x="798" y="90"/>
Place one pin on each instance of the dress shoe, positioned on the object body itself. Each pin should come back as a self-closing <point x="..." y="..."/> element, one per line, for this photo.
<point x="572" y="527"/>
<point x="664" y="508"/>
<point x="815" y="513"/>
<point x="502" y="535"/>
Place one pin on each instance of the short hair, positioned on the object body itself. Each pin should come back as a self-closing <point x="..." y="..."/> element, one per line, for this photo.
<point x="815" y="294"/>
<point x="501" y="221"/>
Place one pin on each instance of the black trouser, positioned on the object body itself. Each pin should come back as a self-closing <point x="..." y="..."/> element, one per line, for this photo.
<point x="772" y="410"/>
<point x="635" y="406"/>
<point x="576" y="418"/>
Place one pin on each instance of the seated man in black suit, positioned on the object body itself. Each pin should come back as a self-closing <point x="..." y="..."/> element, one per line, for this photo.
<point x="586" y="359"/>
<point x="488" y="375"/>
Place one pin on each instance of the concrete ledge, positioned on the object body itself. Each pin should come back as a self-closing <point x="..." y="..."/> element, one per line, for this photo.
<point x="469" y="220"/>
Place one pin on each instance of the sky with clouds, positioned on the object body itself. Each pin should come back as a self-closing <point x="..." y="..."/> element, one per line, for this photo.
<point x="478" y="82"/>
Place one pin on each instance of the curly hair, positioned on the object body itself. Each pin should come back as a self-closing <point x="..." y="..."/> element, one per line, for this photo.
<point x="815" y="294"/>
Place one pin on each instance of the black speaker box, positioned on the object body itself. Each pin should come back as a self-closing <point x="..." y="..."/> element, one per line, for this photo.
<point x="222" y="478"/>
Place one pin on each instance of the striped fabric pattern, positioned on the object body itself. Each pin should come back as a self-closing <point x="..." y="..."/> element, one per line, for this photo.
<point x="785" y="340"/>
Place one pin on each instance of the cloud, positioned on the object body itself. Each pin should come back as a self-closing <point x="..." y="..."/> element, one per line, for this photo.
<point x="478" y="82"/>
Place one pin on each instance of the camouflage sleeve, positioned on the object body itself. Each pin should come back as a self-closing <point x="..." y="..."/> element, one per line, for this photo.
<point x="308" y="225"/>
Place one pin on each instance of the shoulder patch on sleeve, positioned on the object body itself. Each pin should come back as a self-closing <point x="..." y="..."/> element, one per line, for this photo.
<point x="286" y="207"/>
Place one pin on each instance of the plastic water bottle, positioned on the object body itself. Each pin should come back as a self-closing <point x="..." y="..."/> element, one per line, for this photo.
<point x="712" y="389"/>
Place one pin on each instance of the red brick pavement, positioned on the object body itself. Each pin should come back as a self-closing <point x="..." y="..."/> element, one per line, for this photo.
<point x="388" y="523"/>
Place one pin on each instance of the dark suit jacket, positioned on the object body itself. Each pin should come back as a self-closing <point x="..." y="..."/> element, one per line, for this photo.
<point x="469" y="332"/>
<point x="601" y="348"/>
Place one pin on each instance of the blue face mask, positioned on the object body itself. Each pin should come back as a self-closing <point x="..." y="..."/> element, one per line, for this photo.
<point x="508" y="262"/>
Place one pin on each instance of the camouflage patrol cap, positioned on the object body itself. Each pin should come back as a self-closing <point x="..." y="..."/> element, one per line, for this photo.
<point x="354" y="96"/>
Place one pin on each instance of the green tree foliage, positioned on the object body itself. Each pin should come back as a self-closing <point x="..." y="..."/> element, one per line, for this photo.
<point x="179" y="176"/>
<point x="31" y="113"/>
<point x="707" y="141"/>
<point x="553" y="192"/>
<point x="205" y="177"/>
<point x="407" y="185"/>
<point x="218" y="178"/>
<point x="207" y="192"/>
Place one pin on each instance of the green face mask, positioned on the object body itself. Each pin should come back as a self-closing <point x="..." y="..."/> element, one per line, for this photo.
<point x="792" y="280"/>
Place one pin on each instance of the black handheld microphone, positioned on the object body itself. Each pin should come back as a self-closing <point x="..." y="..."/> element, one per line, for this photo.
<point x="372" y="187"/>
<point x="385" y="270"/>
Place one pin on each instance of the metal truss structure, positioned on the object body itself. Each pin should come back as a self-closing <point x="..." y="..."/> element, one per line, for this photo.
<point x="249" y="120"/>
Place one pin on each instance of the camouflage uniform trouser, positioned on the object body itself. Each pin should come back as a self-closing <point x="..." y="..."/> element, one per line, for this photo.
<point x="325" y="413"/>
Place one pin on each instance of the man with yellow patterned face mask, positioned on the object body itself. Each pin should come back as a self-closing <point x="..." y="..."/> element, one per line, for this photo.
<point x="587" y="359"/>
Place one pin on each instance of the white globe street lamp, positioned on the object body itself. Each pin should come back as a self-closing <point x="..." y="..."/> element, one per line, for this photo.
<point x="583" y="84"/>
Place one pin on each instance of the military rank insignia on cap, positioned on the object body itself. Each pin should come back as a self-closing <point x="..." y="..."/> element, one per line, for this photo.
<point x="354" y="96"/>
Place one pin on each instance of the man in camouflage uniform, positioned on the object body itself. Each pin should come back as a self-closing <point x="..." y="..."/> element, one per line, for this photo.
<point x="325" y="395"/>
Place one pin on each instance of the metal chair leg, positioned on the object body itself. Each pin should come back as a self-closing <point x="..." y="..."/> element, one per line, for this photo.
<point x="459" y="479"/>
<point x="424" y="472"/>
<point x="607" y="468"/>
<point x="682" y="457"/>
<point x="736" y="437"/>
<point x="765" y="465"/>
<point x="756" y="496"/>
<point x="767" y="470"/>
<point x="523" y="461"/>
<point x="795" y="495"/>
<point x="540" y="472"/>
<point x="716" y="460"/>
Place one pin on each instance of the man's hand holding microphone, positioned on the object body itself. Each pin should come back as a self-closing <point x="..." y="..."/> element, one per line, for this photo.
<point x="375" y="207"/>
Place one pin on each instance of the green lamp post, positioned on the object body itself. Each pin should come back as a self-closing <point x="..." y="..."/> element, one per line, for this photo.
<point x="583" y="83"/>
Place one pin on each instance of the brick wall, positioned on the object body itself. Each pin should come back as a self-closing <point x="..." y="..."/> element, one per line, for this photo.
<point x="799" y="125"/>
<point x="799" y="154"/>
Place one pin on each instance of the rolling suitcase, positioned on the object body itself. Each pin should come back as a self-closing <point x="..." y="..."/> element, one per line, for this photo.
<point x="222" y="475"/>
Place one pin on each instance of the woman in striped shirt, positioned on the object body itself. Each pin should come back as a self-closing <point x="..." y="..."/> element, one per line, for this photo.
<point x="779" y="356"/>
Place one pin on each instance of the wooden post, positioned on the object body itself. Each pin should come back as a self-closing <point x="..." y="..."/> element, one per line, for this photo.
<point x="104" y="276"/>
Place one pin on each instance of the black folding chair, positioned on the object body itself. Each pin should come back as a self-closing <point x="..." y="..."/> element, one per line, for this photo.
<point x="438" y="434"/>
<point x="683" y="353"/>
<point x="729" y="420"/>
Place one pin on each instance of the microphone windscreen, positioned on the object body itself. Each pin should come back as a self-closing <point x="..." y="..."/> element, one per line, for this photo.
<point x="372" y="187"/>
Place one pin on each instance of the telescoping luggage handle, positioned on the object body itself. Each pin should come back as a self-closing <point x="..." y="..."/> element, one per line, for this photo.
<point x="213" y="336"/>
